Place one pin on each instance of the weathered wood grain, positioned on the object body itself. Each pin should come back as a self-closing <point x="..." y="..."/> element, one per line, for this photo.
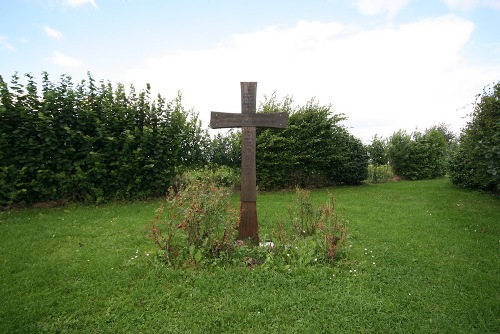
<point x="220" y="120"/>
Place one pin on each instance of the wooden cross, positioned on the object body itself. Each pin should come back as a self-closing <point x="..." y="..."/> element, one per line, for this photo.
<point x="248" y="120"/>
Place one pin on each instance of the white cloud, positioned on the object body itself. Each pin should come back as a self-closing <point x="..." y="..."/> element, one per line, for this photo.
<point x="402" y="77"/>
<point x="467" y="5"/>
<point x="65" y="61"/>
<point x="4" y="41"/>
<point x="77" y="3"/>
<point x="376" y="7"/>
<point x="52" y="33"/>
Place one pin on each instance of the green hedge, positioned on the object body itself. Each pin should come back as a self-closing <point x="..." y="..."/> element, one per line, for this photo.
<point x="90" y="141"/>
<point x="418" y="156"/>
<point x="476" y="163"/>
<point x="313" y="151"/>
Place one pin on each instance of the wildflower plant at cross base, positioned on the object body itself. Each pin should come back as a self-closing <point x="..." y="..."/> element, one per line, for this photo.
<point x="195" y="223"/>
<point x="326" y="228"/>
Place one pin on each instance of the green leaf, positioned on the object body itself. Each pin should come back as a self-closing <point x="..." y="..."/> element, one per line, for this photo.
<point x="192" y="249"/>
<point x="197" y="256"/>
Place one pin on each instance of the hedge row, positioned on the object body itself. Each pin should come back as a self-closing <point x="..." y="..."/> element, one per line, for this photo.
<point x="418" y="156"/>
<point x="476" y="163"/>
<point x="313" y="151"/>
<point x="89" y="142"/>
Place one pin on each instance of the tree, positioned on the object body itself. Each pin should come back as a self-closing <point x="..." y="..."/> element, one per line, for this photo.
<point x="444" y="129"/>
<point x="377" y="151"/>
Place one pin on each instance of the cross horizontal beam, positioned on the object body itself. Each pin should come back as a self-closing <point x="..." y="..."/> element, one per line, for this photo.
<point x="232" y="120"/>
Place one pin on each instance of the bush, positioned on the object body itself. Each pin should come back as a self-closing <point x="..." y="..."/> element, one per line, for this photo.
<point x="197" y="227"/>
<point x="313" y="151"/>
<point x="91" y="142"/>
<point x="419" y="156"/>
<point x="378" y="170"/>
<point x="325" y="230"/>
<point x="379" y="174"/>
<point x="476" y="163"/>
<point x="225" y="149"/>
<point x="196" y="222"/>
<point x="222" y="176"/>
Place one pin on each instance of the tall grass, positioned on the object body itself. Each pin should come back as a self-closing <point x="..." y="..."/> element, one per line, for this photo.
<point x="423" y="258"/>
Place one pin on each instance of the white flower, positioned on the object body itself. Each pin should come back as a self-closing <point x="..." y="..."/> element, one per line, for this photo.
<point x="268" y="244"/>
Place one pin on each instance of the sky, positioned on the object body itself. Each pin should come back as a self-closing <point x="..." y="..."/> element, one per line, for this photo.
<point x="387" y="65"/>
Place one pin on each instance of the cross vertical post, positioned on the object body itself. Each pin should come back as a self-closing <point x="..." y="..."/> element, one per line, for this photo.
<point x="248" y="120"/>
<point x="248" y="199"/>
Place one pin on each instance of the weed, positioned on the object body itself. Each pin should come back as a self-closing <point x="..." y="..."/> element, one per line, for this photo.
<point x="197" y="225"/>
<point x="302" y="214"/>
<point x="196" y="221"/>
<point x="323" y="225"/>
<point x="333" y="227"/>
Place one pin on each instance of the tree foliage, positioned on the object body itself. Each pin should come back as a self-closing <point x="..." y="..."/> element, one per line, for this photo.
<point x="90" y="141"/>
<point x="418" y="156"/>
<point x="377" y="151"/>
<point x="476" y="164"/>
<point x="378" y="170"/>
<point x="314" y="150"/>
<point x="225" y="149"/>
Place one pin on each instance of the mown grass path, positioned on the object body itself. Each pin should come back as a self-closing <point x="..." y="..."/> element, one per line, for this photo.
<point x="423" y="258"/>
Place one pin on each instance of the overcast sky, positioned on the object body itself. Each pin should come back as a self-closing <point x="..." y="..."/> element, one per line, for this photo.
<point x="385" y="64"/>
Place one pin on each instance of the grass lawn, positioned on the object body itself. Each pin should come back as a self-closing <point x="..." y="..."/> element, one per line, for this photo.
<point x="423" y="257"/>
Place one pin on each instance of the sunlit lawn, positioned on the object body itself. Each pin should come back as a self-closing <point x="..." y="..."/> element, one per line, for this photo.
<point x="423" y="258"/>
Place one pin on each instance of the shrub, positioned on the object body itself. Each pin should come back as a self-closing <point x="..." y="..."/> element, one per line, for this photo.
<point x="451" y="141"/>
<point x="325" y="230"/>
<point x="418" y="156"/>
<point x="378" y="170"/>
<point x="196" y="222"/>
<point x="476" y="163"/>
<point x="197" y="226"/>
<point x="225" y="149"/>
<point x="313" y="151"/>
<point x="379" y="174"/>
<point x="91" y="142"/>
<point x="222" y="176"/>
<point x="302" y="214"/>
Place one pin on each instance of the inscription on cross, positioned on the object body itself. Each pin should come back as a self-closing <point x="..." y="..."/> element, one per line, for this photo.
<point x="248" y="120"/>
